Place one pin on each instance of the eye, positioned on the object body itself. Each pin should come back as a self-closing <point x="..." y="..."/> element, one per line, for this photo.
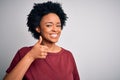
<point x="58" y="25"/>
<point x="48" y="25"/>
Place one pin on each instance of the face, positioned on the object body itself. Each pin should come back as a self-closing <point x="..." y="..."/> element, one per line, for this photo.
<point x="50" y="28"/>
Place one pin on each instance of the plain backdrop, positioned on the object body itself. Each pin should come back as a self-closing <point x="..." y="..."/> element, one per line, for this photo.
<point x="92" y="34"/>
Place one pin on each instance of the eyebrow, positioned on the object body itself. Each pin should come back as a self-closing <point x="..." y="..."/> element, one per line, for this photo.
<point x="52" y="23"/>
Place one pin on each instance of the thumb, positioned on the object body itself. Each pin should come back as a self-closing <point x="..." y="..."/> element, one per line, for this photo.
<point x="40" y="40"/>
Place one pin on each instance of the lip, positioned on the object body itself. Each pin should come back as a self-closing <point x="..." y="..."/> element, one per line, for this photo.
<point x="54" y="35"/>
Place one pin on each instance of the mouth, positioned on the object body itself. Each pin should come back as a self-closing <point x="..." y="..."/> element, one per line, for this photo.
<point x="54" y="35"/>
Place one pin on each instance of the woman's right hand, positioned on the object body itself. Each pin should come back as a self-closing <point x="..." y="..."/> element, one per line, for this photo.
<point x="39" y="50"/>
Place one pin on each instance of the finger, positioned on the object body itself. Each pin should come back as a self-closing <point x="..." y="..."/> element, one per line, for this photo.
<point x="40" y="40"/>
<point x="44" y="54"/>
<point x="44" y="51"/>
<point x="44" y="47"/>
<point x="42" y="57"/>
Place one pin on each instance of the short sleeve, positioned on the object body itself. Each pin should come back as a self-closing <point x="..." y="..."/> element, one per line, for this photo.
<point x="75" y="73"/>
<point x="75" y="70"/>
<point x="14" y="62"/>
<point x="19" y="55"/>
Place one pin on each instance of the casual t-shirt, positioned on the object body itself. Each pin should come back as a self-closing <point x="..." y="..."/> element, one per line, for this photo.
<point x="56" y="66"/>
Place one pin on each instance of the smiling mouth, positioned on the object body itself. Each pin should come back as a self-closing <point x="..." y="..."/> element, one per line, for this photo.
<point x="54" y="35"/>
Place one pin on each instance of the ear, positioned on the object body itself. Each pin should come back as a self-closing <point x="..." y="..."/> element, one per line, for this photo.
<point x="38" y="29"/>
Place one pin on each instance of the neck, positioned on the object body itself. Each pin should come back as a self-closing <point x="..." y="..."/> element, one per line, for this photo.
<point x="52" y="47"/>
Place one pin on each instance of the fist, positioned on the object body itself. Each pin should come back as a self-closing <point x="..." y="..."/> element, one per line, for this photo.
<point x="39" y="50"/>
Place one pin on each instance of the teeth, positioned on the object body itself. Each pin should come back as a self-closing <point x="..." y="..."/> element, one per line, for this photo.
<point x="54" y="35"/>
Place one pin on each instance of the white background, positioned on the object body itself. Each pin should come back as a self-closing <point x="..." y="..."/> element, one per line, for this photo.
<point x="92" y="34"/>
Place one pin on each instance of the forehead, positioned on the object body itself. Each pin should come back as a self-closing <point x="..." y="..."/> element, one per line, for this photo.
<point x="51" y="17"/>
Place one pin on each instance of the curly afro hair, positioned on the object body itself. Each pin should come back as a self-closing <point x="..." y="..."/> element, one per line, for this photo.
<point x="41" y="9"/>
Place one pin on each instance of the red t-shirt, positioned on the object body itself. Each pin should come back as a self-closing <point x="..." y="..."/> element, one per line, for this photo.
<point x="56" y="66"/>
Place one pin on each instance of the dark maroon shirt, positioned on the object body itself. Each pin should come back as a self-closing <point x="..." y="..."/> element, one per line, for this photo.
<point x="56" y="66"/>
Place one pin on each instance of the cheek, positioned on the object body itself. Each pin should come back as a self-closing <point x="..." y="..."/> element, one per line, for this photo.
<point x="44" y="32"/>
<point x="60" y="30"/>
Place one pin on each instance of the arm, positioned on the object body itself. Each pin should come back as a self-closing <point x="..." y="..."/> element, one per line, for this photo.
<point x="75" y="70"/>
<point x="76" y="74"/>
<point x="18" y="72"/>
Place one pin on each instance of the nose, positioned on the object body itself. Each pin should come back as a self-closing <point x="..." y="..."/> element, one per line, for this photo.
<point x="54" y="28"/>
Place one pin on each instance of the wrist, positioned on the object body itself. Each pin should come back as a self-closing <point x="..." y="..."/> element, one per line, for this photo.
<point x="30" y="56"/>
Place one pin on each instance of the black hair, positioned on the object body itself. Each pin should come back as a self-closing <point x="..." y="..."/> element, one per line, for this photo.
<point x="41" y="9"/>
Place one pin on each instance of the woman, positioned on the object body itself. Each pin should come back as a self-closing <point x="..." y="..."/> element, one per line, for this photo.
<point x="45" y="60"/>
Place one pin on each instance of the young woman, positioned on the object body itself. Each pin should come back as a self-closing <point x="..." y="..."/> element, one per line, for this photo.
<point x="45" y="60"/>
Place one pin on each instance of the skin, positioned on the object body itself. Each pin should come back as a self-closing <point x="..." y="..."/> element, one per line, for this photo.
<point x="50" y="29"/>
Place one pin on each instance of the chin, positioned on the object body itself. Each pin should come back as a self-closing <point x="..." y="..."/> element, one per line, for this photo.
<point x="53" y="41"/>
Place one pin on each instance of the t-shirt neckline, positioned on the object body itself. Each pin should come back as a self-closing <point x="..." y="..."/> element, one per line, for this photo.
<point x="56" y="53"/>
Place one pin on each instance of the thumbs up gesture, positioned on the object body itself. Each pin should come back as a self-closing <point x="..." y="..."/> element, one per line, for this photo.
<point x="39" y="50"/>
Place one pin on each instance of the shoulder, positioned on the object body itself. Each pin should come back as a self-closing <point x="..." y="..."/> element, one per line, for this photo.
<point x="24" y="50"/>
<point x="69" y="55"/>
<point x="67" y="52"/>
